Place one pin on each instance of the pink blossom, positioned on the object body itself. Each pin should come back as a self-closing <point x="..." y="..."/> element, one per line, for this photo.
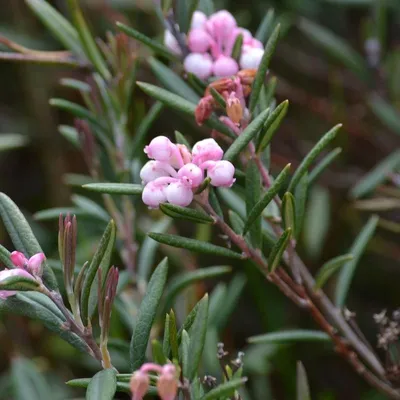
<point x="199" y="64"/>
<point x="199" y="40"/>
<point x="35" y="264"/>
<point x="185" y="153"/>
<point x="206" y="149"/>
<point x="139" y="384"/>
<point x="251" y="57"/>
<point x="199" y="20"/>
<point x="225" y="66"/>
<point x="180" y="193"/>
<point x="154" y="194"/>
<point x="193" y="172"/>
<point x="221" y="173"/>
<point x="18" y="259"/>
<point x="160" y="148"/>
<point x="155" y="169"/>
<point x="9" y="273"/>
<point x="167" y="384"/>
<point x="171" y="43"/>
<point x="221" y="25"/>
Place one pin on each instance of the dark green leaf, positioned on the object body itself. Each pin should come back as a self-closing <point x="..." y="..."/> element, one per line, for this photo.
<point x="225" y="390"/>
<point x="194" y="245"/>
<point x="157" y="350"/>
<point x="218" y="98"/>
<point x="236" y="222"/>
<point x="115" y="188"/>
<point x="5" y="257"/>
<point x="267" y="198"/>
<point x="147" y="314"/>
<point x="263" y="67"/>
<point x="102" y="386"/>
<point x="198" y="337"/>
<point x="271" y="125"/>
<point x="179" y="138"/>
<point x="246" y="136"/>
<point x="265" y="27"/>
<point x="152" y="44"/>
<point x="215" y="204"/>
<point x="322" y="165"/>
<point x="300" y="203"/>
<point x="357" y="250"/>
<point x="22" y="236"/>
<point x="188" y="323"/>
<point x="253" y="193"/>
<point x="76" y="85"/>
<point x="185" y="357"/>
<point x="303" y="390"/>
<point x="329" y="268"/>
<point x="173" y="336"/>
<point x="11" y="141"/>
<point x="97" y="260"/>
<point x="90" y="207"/>
<point x="188" y="214"/>
<point x="335" y="46"/>
<point x="280" y="246"/>
<point x="388" y="115"/>
<point x="312" y="155"/>
<point x="166" y="338"/>
<point x="295" y="335"/>
<point x="378" y="174"/>
<point x="289" y="211"/>
<point x="237" y="47"/>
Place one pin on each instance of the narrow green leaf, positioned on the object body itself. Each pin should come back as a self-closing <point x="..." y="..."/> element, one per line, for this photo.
<point x="188" y="323"/>
<point x="33" y="386"/>
<point x="198" y="337"/>
<point x="101" y="252"/>
<point x="22" y="236"/>
<point x="158" y="48"/>
<point x="185" y="213"/>
<point x="185" y="357"/>
<point x="276" y="253"/>
<point x="265" y="27"/>
<point x="215" y="204"/>
<point x="148" y="251"/>
<point x="312" y="155"/>
<point x="188" y="278"/>
<point x="376" y="176"/>
<point x="236" y="222"/>
<point x="115" y="188"/>
<point x="173" y="336"/>
<point x="303" y="390"/>
<point x="90" y="207"/>
<point x="329" y="268"/>
<point x="194" y="245"/>
<point x="253" y="193"/>
<point x="59" y="26"/>
<point x="246" y="136"/>
<point x="271" y="125"/>
<point x="300" y="203"/>
<point x="102" y="386"/>
<point x="54" y="213"/>
<point x="120" y="386"/>
<point x="289" y="211"/>
<point x="157" y="350"/>
<point x="5" y="258"/>
<point x="337" y="47"/>
<point x="172" y="81"/>
<point x="218" y="98"/>
<point x="182" y="14"/>
<point x="179" y="138"/>
<point x="357" y="250"/>
<point x="322" y="165"/>
<point x="207" y="6"/>
<point x="11" y="141"/>
<point x="147" y="314"/>
<point x="166" y="338"/>
<point x="87" y="40"/>
<point x="295" y="335"/>
<point x="266" y="198"/>
<point x="70" y="134"/>
<point x="225" y="390"/>
<point x="263" y="67"/>
<point x="388" y="115"/>
<point x="76" y="84"/>
<point x="237" y="47"/>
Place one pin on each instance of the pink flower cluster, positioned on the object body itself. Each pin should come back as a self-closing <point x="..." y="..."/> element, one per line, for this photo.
<point x="211" y="41"/>
<point x="24" y="268"/>
<point x="167" y="383"/>
<point x="174" y="172"/>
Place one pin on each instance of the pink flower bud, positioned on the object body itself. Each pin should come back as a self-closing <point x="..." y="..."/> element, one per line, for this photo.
<point x="167" y="384"/>
<point x="204" y="109"/>
<point x="8" y="273"/>
<point x="185" y="153"/>
<point x="154" y="194"/>
<point x="35" y="264"/>
<point x="205" y="150"/>
<point x="221" y="24"/>
<point x="18" y="259"/>
<point x="225" y="66"/>
<point x="199" y="41"/>
<point x="180" y="193"/>
<point x="193" y="172"/>
<point x="155" y="169"/>
<point x="6" y="293"/>
<point x="199" y="65"/>
<point x="171" y="43"/>
<point x="221" y="173"/>
<point x="160" y="148"/>
<point x="251" y="57"/>
<point x="139" y="385"/>
<point x="199" y="19"/>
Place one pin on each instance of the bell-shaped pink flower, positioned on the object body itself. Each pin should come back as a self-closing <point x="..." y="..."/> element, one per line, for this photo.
<point x="154" y="194"/>
<point x="193" y="172"/>
<point x="167" y="384"/>
<point x="35" y="264"/>
<point x="18" y="259"/>
<point x="225" y="66"/>
<point x="171" y="43"/>
<point x="139" y="385"/>
<point x="199" y="64"/>
<point x="251" y="57"/>
<point x="220" y="25"/>
<point x="180" y="192"/>
<point x="205" y="150"/>
<point x="160" y="148"/>
<point x="185" y="153"/>
<point x="199" y="20"/>
<point x="221" y="173"/>
<point x="199" y="41"/>
<point x="155" y="169"/>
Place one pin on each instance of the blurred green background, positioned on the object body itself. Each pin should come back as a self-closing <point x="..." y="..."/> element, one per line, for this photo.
<point x="322" y="92"/>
